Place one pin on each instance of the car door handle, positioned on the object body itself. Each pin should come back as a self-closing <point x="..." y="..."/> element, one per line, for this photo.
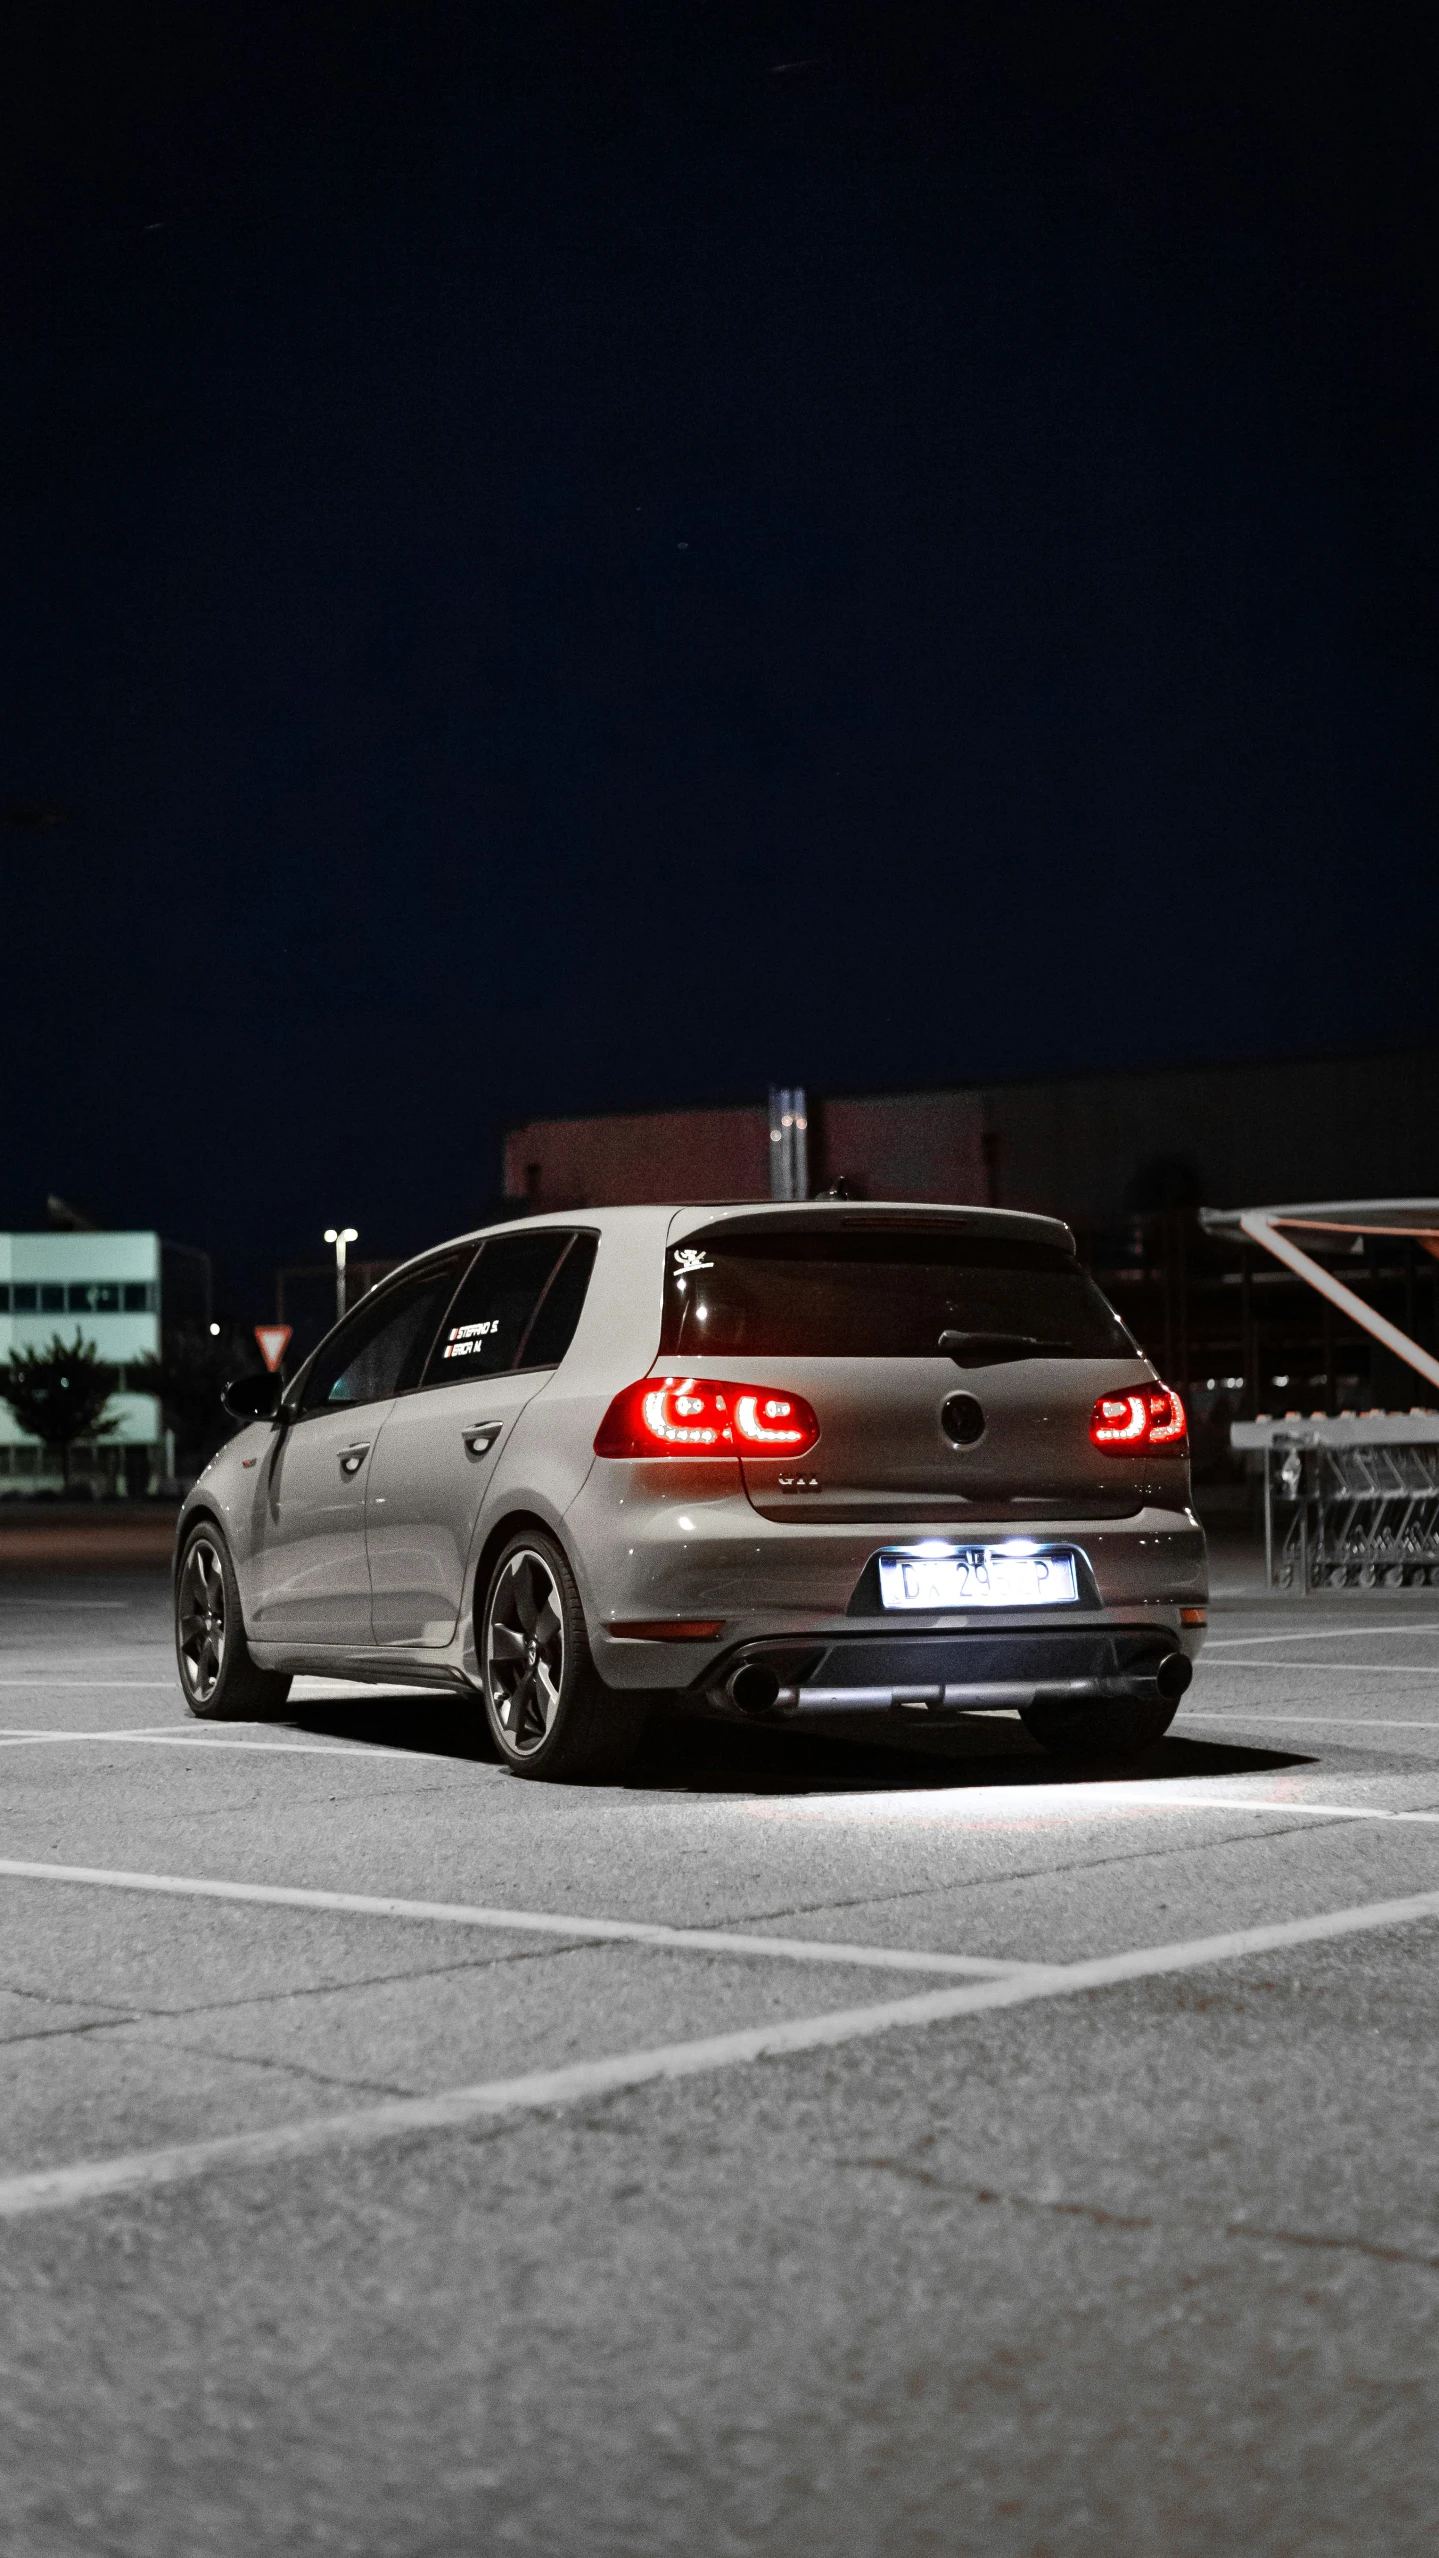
<point x="351" y="1459"/>
<point x="481" y="1437"/>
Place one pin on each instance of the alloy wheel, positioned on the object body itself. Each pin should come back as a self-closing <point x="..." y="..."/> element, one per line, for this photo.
<point x="201" y="1619"/>
<point x="525" y="1651"/>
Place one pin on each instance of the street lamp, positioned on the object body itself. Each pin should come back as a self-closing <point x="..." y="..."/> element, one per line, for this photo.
<point x="340" y="1236"/>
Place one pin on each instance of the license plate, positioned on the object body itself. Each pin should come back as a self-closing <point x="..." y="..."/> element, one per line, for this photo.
<point x="977" y="1576"/>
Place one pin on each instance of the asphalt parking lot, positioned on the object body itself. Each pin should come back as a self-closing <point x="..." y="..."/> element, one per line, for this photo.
<point x="803" y="2147"/>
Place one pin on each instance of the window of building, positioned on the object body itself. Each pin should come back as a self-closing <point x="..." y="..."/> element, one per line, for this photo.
<point x="94" y="1296"/>
<point x="79" y="1297"/>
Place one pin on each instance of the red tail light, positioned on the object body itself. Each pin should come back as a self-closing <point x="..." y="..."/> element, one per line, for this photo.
<point x="705" y="1417"/>
<point x="1151" y="1418"/>
<point x="765" y="1422"/>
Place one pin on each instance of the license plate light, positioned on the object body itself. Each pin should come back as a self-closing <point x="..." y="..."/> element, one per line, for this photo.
<point x="979" y="1576"/>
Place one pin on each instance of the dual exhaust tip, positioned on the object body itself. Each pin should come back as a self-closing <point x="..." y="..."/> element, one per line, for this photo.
<point x="1172" y="1676"/>
<point x="756" y="1689"/>
<point x="753" y="1688"/>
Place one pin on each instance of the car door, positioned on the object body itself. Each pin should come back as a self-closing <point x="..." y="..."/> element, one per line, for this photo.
<point x="309" y="1580"/>
<point x="435" y="1460"/>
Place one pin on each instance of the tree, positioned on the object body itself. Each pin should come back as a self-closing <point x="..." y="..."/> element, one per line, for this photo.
<point x="59" y="1394"/>
<point x="194" y="1367"/>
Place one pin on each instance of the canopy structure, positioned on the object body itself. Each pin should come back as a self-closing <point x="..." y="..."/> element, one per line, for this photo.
<point x="1276" y="1229"/>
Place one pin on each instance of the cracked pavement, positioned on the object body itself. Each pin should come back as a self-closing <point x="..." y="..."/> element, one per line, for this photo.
<point x="1148" y="2267"/>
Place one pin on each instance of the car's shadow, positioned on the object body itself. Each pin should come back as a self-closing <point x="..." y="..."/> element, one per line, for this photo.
<point x="686" y="1755"/>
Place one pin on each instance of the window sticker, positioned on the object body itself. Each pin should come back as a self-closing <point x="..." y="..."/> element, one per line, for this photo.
<point x="686" y="1259"/>
<point x="467" y="1338"/>
<point x="484" y="1329"/>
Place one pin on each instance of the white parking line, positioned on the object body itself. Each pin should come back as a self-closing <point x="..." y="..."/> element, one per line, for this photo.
<point x="1344" y="1669"/>
<point x="1323" y="1634"/>
<point x="691" y="1940"/>
<point x="316" y="1690"/>
<point x="1099" y="1800"/>
<point x="1260" y="1714"/>
<point x="207" y="1740"/>
<point x="1095" y="1799"/>
<point x="53" y="2188"/>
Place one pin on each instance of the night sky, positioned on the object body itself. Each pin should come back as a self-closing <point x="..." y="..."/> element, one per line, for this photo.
<point x="568" y="558"/>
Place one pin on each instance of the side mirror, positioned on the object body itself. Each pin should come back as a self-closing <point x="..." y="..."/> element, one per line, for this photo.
<point x="252" y="1398"/>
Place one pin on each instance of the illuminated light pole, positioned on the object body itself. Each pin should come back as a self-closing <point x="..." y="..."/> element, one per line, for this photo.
<point x="789" y="1142"/>
<point x="340" y="1237"/>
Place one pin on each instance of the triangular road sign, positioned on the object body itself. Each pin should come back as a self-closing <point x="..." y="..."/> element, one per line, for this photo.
<point x="274" y="1341"/>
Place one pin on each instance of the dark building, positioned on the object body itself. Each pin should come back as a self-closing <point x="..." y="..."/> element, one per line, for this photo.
<point x="1090" y="1148"/>
<point x="1127" y="1160"/>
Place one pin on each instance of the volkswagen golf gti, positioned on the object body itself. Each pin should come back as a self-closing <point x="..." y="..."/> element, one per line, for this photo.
<point x="778" y="1463"/>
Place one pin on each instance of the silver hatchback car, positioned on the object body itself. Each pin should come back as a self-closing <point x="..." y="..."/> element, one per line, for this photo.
<point x="900" y="1464"/>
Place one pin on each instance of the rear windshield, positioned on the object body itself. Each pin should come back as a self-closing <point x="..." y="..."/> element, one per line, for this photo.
<point x="882" y="1295"/>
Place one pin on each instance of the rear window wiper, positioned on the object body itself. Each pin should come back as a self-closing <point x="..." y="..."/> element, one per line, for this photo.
<point x="985" y="1349"/>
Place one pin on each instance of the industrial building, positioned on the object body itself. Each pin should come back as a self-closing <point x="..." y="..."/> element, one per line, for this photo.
<point x="1093" y="1149"/>
<point x="1127" y="1160"/>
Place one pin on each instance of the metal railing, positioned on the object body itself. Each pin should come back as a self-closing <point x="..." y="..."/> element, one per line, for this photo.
<point x="1350" y="1502"/>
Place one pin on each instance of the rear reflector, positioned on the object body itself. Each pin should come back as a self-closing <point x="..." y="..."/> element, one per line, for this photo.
<point x="1150" y="1419"/>
<point x="705" y="1417"/>
<point x="1194" y="1616"/>
<point x="693" y="1630"/>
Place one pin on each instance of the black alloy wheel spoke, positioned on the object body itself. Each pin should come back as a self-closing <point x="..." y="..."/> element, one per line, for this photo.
<point x="546" y="1692"/>
<point x="525" y="1652"/>
<point x="201" y="1621"/>
<point x="526" y="1604"/>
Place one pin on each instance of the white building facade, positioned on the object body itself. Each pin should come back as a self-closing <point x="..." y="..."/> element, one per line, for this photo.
<point x="106" y="1286"/>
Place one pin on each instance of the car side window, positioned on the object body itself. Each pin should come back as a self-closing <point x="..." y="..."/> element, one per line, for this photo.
<point x="553" y="1328"/>
<point x="381" y="1349"/>
<point x="484" y="1331"/>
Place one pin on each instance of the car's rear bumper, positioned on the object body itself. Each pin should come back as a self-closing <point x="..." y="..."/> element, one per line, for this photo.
<point x="938" y="1675"/>
<point x="686" y="1555"/>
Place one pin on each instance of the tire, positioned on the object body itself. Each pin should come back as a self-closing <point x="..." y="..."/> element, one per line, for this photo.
<point x="548" y="1710"/>
<point x="221" y="1683"/>
<point x="1118" y="1730"/>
